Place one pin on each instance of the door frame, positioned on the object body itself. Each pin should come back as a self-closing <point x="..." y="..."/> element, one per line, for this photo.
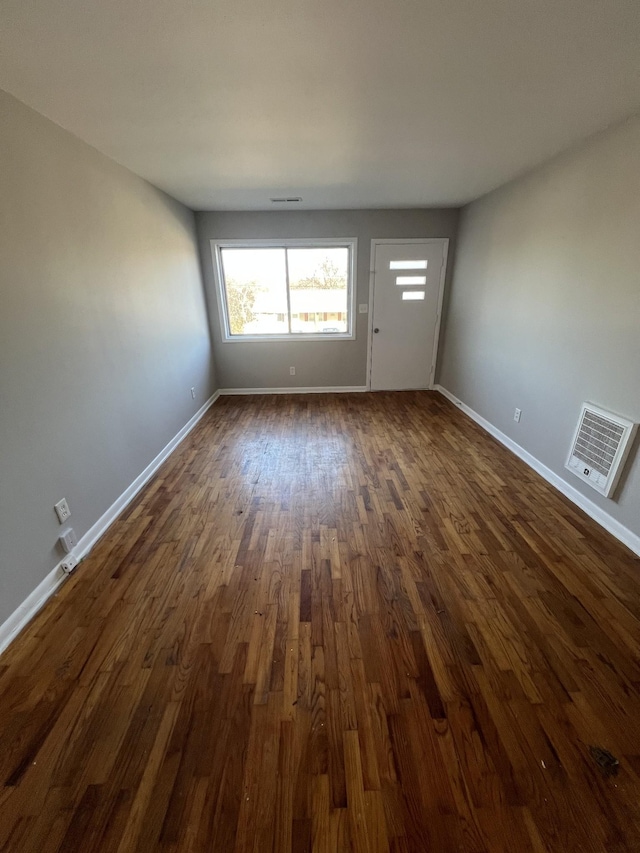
<point x="372" y="277"/>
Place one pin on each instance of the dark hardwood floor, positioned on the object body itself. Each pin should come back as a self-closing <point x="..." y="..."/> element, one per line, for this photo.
<point x="332" y="623"/>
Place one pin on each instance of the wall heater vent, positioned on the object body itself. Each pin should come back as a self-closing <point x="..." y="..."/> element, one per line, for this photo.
<point x="600" y="447"/>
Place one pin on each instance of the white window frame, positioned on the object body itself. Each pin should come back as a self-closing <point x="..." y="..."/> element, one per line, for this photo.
<point x="350" y="243"/>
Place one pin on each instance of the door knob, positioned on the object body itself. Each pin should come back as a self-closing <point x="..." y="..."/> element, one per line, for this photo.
<point x="375" y="331"/>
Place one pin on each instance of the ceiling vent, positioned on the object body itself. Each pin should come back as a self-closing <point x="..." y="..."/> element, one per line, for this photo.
<point x="600" y="447"/>
<point x="289" y="200"/>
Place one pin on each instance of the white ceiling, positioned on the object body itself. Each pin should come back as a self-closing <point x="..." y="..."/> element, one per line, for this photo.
<point x="347" y="103"/>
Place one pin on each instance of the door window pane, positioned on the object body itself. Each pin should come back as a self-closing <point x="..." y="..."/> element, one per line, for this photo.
<point x="411" y="279"/>
<point x="407" y="265"/>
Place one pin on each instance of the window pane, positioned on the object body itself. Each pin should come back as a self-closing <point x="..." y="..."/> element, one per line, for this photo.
<point x="256" y="291"/>
<point x="411" y="279"/>
<point x="318" y="282"/>
<point x="413" y="295"/>
<point x="407" y="265"/>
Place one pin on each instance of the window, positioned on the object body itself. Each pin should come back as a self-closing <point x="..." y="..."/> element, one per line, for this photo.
<point x="408" y="265"/>
<point x="411" y="279"/>
<point x="285" y="289"/>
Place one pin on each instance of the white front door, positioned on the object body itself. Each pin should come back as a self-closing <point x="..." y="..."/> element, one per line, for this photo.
<point x="408" y="279"/>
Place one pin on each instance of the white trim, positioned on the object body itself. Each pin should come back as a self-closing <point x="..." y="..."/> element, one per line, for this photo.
<point x="316" y="389"/>
<point x="45" y="589"/>
<point x="372" y="276"/>
<point x="293" y="337"/>
<point x="92" y="535"/>
<point x="443" y="275"/>
<point x="402" y="241"/>
<point x="622" y="533"/>
<point x="372" y="282"/>
<point x="27" y="610"/>
<point x="350" y="243"/>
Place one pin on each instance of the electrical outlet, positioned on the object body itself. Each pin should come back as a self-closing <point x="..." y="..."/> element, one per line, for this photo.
<point x="62" y="510"/>
<point x="68" y="540"/>
<point x="517" y="415"/>
<point x="193" y="393"/>
<point x="292" y="371"/>
<point x="69" y="564"/>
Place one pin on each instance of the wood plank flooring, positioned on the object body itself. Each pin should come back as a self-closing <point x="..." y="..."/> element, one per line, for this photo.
<point x="332" y="623"/>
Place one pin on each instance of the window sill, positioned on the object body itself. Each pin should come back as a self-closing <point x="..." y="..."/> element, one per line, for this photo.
<point x="293" y="338"/>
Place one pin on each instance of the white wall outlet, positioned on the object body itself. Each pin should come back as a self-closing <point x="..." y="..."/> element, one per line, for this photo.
<point x="62" y="510"/>
<point x="517" y="415"/>
<point x="363" y="308"/>
<point x="292" y="371"/>
<point x="69" y="563"/>
<point x="193" y="393"/>
<point x="68" y="540"/>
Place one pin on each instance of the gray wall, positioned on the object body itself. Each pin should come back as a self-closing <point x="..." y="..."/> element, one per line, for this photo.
<point x="544" y="310"/>
<point x="102" y="334"/>
<point x="317" y="363"/>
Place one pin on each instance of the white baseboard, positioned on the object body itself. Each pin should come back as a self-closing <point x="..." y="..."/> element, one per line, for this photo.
<point x="30" y="606"/>
<point x="45" y="589"/>
<point x="622" y="533"/>
<point x="86" y="542"/>
<point x="316" y="389"/>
